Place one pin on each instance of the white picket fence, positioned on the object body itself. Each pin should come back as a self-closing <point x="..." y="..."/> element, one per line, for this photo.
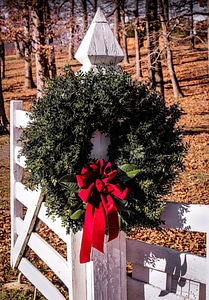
<point x="158" y="273"/>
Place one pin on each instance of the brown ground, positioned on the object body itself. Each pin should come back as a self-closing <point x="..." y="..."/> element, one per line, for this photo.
<point x="193" y="184"/>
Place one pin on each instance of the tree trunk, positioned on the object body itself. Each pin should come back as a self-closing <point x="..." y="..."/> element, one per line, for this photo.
<point x="124" y="38"/>
<point x="51" y="55"/>
<point x="163" y="11"/>
<point x="154" y="63"/>
<point x="3" y="118"/>
<point x="71" y="50"/>
<point x="19" y="49"/>
<point x="84" y="16"/>
<point x="95" y="6"/>
<point x="137" y="40"/>
<point x="192" y="46"/>
<point x="2" y="59"/>
<point x="29" y="83"/>
<point x="42" y="65"/>
<point x="116" y="19"/>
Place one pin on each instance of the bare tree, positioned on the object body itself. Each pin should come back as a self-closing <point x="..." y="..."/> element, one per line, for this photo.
<point x="19" y="30"/>
<point x="163" y="11"/>
<point x="154" y="62"/>
<point x="39" y="37"/>
<point x="49" y="36"/>
<point x="29" y="83"/>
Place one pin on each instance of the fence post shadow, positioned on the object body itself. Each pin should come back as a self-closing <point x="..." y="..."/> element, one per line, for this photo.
<point x="158" y="266"/>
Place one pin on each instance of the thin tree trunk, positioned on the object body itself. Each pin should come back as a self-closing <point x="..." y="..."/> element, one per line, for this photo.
<point x="2" y="59"/>
<point x="163" y="10"/>
<point x="95" y="5"/>
<point x="192" y="46"/>
<point x="42" y="65"/>
<point x="29" y="83"/>
<point x="137" y="40"/>
<point x="71" y="49"/>
<point x="116" y="19"/>
<point x="154" y="63"/>
<point x="124" y="38"/>
<point x="51" y="56"/>
<point x="19" y="49"/>
<point x="3" y="118"/>
<point x="84" y="16"/>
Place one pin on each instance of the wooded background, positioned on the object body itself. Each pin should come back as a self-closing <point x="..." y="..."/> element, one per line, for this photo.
<point x="44" y="27"/>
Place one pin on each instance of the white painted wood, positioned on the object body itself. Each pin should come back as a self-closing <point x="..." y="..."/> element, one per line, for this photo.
<point x="186" y="216"/>
<point x="166" y="260"/>
<point x="110" y="270"/>
<point x="99" y="46"/>
<point x="20" y="160"/>
<point x="16" y="173"/>
<point x="50" y="256"/>
<point x="77" y="272"/>
<point x="207" y="265"/>
<point x="53" y="224"/>
<point x="40" y="281"/>
<point x="141" y="291"/>
<point x="100" y="143"/>
<point x="22" y="240"/>
<point x="22" y="118"/>
<point x="26" y="196"/>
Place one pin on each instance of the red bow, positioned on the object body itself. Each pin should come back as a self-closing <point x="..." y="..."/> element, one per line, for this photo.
<point x="101" y="211"/>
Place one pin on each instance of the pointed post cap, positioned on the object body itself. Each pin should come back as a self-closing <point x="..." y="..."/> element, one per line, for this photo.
<point x="99" y="46"/>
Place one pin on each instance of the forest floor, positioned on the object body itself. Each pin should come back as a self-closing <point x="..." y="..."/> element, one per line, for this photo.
<point x="192" y="185"/>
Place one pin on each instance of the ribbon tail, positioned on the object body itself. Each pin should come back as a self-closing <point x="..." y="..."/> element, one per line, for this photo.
<point x="112" y="217"/>
<point x="99" y="228"/>
<point x="86" y="243"/>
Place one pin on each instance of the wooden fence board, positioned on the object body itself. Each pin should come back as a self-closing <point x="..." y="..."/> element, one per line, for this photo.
<point x="16" y="173"/>
<point x="54" y="224"/>
<point x="55" y="261"/>
<point x="26" y="196"/>
<point x="40" y="281"/>
<point x="141" y="291"/>
<point x="82" y="286"/>
<point x="20" y="160"/>
<point x="167" y="260"/>
<point x="186" y="216"/>
<point x="29" y="223"/>
<point x="21" y="118"/>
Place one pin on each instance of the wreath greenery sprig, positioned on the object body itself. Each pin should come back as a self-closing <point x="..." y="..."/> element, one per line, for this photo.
<point x="142" y="131"/>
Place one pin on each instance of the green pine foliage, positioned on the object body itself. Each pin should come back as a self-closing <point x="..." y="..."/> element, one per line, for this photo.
<point x="142" y="130"/>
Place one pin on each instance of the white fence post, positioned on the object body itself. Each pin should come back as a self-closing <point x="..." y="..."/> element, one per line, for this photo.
<point x="16" y="171"/>
<point x="107" y="272"/>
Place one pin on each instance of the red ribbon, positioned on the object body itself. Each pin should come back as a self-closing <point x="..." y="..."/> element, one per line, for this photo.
<point x="101" y="211"/>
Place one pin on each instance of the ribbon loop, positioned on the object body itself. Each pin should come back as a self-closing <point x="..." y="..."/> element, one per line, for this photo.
<point x="101" y="211"/>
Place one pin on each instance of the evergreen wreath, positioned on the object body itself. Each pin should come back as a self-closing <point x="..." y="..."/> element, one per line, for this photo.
<point x="145" y="142"/>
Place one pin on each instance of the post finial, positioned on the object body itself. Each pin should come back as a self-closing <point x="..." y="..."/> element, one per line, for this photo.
<point x="99" y="46"/>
